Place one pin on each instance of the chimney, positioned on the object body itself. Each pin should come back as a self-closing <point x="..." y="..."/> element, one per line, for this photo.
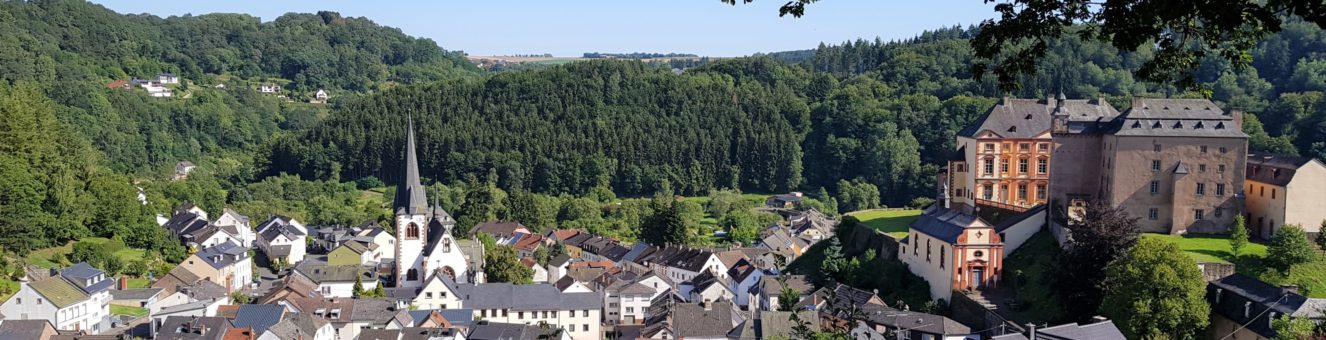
<point x="123" y="283"/>
<point x="1098" y="319"/>
<point x="1237" y="114"/>
<point x="1288" y="289"/>
<point x="707" y="306"/>
<point x="1031" y="331"/>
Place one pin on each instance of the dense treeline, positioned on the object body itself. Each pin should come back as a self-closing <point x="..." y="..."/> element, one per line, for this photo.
<point x="569" y="129"/>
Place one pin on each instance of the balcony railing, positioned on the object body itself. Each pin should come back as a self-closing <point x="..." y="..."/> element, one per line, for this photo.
<point x="1000" y="205"/>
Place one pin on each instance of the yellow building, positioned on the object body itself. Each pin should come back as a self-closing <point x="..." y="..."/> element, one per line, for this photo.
<point x="1284" y="190"/>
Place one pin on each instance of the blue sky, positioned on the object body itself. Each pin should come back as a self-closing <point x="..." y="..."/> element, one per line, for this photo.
<point x="572" y="27"/>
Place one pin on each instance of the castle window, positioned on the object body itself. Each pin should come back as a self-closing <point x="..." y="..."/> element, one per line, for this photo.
<point x="1156" y="147"/>
<point x="989" y="166"/>
<point x="1220" y="168"/>
<point x="1201" y="189"/>
<point x="1203" y="147"/>
<point x="1155" y="187"/>
<point x="1220" y="189"/>
<point x="1022" y="191"/>
<point x="1003" y="165"/>
<point x="1201" y="168"/>
<point x="1042" y="166"/>
<point x="1024" y="147"/>
<point x="1043" y="146"/>
<point x="1199" y="214"/>
<point x="1022" y="166"/>
<point x="1219" y="212"/>
<point x="1155" y="166"/>
<point x="1154" y="214"/>
<point x="1224" y="149"/>
<point x="1040" y="191"/>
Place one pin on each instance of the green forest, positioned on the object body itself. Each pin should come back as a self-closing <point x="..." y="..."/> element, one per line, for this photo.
<point x="857" y="124"/>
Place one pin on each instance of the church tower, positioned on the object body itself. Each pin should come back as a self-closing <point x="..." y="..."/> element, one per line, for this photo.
<point x="412" y="219"/>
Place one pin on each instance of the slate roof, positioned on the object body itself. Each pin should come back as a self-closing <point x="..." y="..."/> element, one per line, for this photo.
<point x="297" y="326"/>
<point x="1274" y="169"/>
<point x="1176" y="117"/>
<point x="1027" y="118"/>
<point x="59" y="292"/>
<point x="410" y="197"/>
<point x="841" y="296"/>
<point x="770" y="285"/>
<point x="705" y="280"/>
<point x="559" y="260"/>
<point x="485" y="330"/>
<point x="922" y="322"/>
<point x="945" y="224"/>
<point x="184" y="223"/>
<point x="377" y="311"/>
<point x="258" y="317"/>
<point x="428" y="333"/>
<point x="317" y="270"/>
<point x="134" y="293"/>
<point x="693" y="320"/>
<point x="223" y="255"/>
<point x="689" y="259"/>
<point x="741" y="270"/>
<point x="80" y="272"/>
<point x="24" y="329"/>
<point x="1104" y="330"/>
<point x="289" y="231"/>
<point x="526" y="297"/>
<point x="778" y="324"/>
<point x="276" y="221"/>
<point x="192" y="328"/>
<point x="379" y="334"/>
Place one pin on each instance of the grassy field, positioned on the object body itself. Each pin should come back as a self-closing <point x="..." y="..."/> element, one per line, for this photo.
<point x="1030" y="271"/>
<point x="754" y="200"/>
<point x="891" y="222"/>
<point x="128" y="310"/>
<point x="1310" y="277"/>
<point x="1209" y="248"/>
<point x="10" y="286"/>
<point x="44" y="257"/>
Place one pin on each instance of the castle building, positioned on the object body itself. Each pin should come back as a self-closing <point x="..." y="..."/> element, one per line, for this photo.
<point x="1003" y="159"/>
<point x="424" y="244"/>
<point x="1176" y="164"/>
<point x="1284" y="190"/>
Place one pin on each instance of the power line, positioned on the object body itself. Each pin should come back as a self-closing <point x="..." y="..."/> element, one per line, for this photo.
<point x="1259" y="315"/>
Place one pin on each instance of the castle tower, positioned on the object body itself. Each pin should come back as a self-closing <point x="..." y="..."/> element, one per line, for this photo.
<point x="411" y="219"/>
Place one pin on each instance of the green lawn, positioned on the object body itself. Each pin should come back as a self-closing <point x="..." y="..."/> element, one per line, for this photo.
<point x="891" y="222"/>
<point x="10" y="287"/>
<point x="1030" y="271"/>
<point x="128" y="310"/>
<point x="1209" y="248"/>
<point x="140" y="282"/>
<point x="1310" y="277"/>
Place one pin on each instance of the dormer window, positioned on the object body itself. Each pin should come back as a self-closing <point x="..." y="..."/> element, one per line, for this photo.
<point x="1178" y="125"/>
<point x="1198" y="126"/>
<point x="1137" y="124"/>
<point x="1013" y="128"/>
<point x="1220" y="126"/>
<point x="1028" y="117"/>
<point x="1155" y="125"/>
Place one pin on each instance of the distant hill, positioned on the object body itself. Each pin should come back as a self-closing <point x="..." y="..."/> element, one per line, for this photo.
<point x="76" y="40"/>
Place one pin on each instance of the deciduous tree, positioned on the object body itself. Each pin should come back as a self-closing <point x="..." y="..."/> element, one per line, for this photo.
<point x="1155" y="291"/>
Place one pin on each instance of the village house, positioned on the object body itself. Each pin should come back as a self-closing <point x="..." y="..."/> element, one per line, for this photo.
<point x="226" y="264"/>
<point x="302" y="327"/>
<point x="706" y="287"/>
<point x="578" y="313"/>
<point x="1284" y="190"/>
<point x="627" y="291"/>
<point x="1178" y="164"/>
<point x="354" y="253"/>
<point x="182" y="170"/>
<point x="334" y="280"/>
<point x="741" y="277"/>
<point x="681" y="264"/>
<point x="790" y="200"/>
<point x="1099" y="328"/>
<point x="540" y="273"/>
<point x="488" y="330"/>
<point x="139" y="297"/>
<point x="192" y="328"/>
<point x="1245" y="307"/>
<point x="75" y="298"/>
<point x="501" y="231"/>
<point x="237" y="226"/>
<point x="181" y="287"/>
<point x="258" y="318"/>
<point x="439" y="293"/>
<point x="375" y="234"/>
<point x="282" y="239"/>
<point x="27" y="330"/>
<point x="319" y="97"/>
<point x="765" y="295"/>
<point x="699" y="320"/>
<point x="168" y="78"/>
<point x="883" y="322"/>
<point x="269" y="88"/>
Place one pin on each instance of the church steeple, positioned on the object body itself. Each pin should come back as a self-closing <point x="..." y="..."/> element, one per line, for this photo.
<point x="410" y="198"/>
